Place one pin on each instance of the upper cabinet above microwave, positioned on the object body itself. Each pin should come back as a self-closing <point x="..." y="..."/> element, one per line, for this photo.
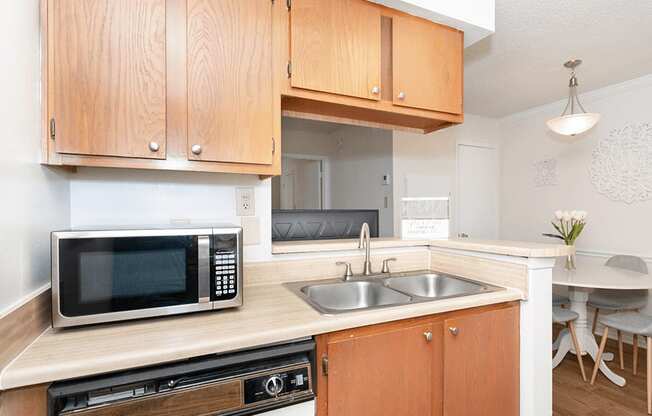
<point x="161" y="84"/>
<point x="356" y="61"/>
<point x="201" y="85"/>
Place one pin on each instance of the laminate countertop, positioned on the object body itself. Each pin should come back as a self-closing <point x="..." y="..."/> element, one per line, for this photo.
<point x="508" y="248"/>
<point x="271" y="313"/>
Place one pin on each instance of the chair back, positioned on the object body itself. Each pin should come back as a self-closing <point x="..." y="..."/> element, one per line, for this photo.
<point x="633" y="263"/>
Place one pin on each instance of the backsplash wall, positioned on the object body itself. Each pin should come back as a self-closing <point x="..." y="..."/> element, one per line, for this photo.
<point x="110" y="197"/>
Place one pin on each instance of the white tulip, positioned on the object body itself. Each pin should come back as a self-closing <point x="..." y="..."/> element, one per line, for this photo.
<point x="574" y="215"/>
<point x="566" y="216"/>
<point x="583" y="215"/>
<point x="559" y="214"/>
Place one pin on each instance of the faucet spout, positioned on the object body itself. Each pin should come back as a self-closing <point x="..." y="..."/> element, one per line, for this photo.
<point x="365" y="242"/>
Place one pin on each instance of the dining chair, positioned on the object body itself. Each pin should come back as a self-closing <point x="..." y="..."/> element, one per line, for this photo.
<point x="568" y="317"/>
<point x="620" y="300"/>
<point x="559" y="300"/>
<point x="637" y="324"/>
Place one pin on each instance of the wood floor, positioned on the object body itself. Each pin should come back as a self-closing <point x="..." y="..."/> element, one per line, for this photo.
<point x="573" y="397"/>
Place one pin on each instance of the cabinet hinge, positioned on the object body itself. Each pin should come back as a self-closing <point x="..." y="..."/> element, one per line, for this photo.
<point x="289" y="69"/>
<point x="53" y="129"/>
<point x="324" y="365"/>
<point x="273" y="146"/>
<point x="289" y="4"/>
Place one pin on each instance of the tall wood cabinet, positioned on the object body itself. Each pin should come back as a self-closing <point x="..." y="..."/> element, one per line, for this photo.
<point x="161" y="84"/>
<point x="455" y="364"/>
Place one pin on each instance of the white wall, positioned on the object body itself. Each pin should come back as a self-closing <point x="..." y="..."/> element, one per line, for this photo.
<point x="362" y="156"/>
<point x="36" y="198"/>
<point x="101" y="197"/>
<point x="613" y="227"/>
<point x="425" y="165"/>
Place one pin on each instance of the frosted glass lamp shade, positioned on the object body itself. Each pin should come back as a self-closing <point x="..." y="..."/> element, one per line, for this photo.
<point x="573" y="124"/>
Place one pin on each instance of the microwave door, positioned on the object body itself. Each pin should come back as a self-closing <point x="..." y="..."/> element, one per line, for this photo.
<point x="108" y="278"/>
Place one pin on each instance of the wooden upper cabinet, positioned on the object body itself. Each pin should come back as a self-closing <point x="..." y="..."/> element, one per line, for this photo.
<point x="230" y="84"/>
<point x="108" y="86"/>
<point x="335" y="47"/>
<point x="385" y="370"/>
<point x="481" y="365"/>
<point x="427" y="65"/>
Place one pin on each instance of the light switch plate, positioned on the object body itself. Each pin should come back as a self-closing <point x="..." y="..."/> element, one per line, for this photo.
<point x="250" y="231"/>
<point x="245" y="202"/>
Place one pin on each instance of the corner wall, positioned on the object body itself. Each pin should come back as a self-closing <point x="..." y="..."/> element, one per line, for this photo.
<point x="36" y="198"/>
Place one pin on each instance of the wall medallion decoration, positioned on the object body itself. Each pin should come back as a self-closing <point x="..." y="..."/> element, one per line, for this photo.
<point x="545" y="173"/>
<point x="621" y="164"/>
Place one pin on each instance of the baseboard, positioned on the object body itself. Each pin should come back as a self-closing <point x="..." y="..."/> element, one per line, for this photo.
<point x="23" y="324"/>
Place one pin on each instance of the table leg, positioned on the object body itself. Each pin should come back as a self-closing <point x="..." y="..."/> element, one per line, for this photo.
<point x="579" y="298"/>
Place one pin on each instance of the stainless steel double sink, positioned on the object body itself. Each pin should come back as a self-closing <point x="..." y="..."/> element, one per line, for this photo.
<point x="335" y="296"/>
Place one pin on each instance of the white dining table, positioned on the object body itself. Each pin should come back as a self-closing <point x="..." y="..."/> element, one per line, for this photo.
<point x="590" y="274"/>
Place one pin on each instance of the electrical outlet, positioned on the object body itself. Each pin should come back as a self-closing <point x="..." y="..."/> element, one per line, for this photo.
<point x="245" y="202"/>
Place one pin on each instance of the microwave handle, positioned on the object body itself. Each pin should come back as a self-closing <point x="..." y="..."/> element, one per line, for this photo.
<point x="203" y="268"/>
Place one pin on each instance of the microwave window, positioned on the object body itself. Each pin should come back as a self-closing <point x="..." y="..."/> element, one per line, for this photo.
<point x="129" y="274"/>
<point x="103" y="275"/>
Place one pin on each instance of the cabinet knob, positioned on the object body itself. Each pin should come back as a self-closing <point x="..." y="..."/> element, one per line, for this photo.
<point x="401" y="95"/>
<point x="154" y="147"/>
<point x="428" y="336"/>
<point x="454" y="330"/>
<point x="196" y="149"/>
<point x="375" y="90"/>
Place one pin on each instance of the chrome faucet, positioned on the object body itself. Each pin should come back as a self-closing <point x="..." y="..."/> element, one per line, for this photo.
<point x="365" y="242"/>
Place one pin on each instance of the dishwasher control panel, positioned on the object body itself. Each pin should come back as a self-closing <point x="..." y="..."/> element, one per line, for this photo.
<point x="282" y="383"/>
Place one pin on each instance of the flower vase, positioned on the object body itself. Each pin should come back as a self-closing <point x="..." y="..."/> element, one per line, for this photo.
<point x="570" y="261"/>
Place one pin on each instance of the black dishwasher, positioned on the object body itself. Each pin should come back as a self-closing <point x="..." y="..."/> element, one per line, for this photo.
<point x="240" y="383"/>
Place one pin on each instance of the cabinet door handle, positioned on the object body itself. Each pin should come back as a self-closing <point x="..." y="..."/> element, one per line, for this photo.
<point x="375" y="90"/>
<point x="196" y="149"/>
<point x="428" y="336"/>
<point x="153" y="146"/>
<point x="453" y="330"/>
<point x="401" y="96"/>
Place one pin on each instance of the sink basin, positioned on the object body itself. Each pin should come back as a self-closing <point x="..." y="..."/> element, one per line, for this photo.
<point x="347" y="296"/>
<point x="434" y="285"/>
<point x="334" y="296"/>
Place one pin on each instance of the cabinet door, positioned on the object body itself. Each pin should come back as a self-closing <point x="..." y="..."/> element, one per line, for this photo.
<point x="108" y="81"/>
<point x="427" y="65"/>
<point x="230" y="95"/>
<point x="481" y="364"/>
<point x="335" y="47"/>
<point x="385" y="373"/>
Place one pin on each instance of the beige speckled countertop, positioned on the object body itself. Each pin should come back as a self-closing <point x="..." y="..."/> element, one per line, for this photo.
<point x="508" y="248"/>
<point x="271" y="313"/>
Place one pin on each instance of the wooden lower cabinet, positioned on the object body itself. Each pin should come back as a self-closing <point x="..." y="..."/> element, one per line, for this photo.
<point x="459" y="363"/>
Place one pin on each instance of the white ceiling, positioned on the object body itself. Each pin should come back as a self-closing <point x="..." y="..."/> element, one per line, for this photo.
<point x="520" y="66"/>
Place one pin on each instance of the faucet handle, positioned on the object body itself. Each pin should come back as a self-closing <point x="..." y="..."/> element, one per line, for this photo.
<point x="348" y="272"/>
<point x="386" y="264"/>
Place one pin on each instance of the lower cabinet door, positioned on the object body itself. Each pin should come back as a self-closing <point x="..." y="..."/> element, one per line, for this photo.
<point x="481" y="364"/>
<point x="384" y="373"/>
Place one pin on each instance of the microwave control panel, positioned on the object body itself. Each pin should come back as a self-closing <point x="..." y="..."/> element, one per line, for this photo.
<point x="225" y="267"/>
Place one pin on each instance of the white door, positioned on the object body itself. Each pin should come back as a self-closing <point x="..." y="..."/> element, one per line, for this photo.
<point x="477" y="200"/>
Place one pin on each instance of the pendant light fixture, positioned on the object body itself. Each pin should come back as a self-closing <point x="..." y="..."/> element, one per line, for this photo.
<point x="574" y="120"/>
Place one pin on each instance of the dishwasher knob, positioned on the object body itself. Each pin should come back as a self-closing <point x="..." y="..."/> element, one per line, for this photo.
<point x="274" y="386"/>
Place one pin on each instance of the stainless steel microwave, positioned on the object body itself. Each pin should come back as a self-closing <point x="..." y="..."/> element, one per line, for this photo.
<point x="120" y="274"/>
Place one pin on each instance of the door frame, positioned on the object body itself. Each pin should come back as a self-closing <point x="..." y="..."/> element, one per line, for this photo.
<point x="325" y="175"/>
<point x="455" y="205"/>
